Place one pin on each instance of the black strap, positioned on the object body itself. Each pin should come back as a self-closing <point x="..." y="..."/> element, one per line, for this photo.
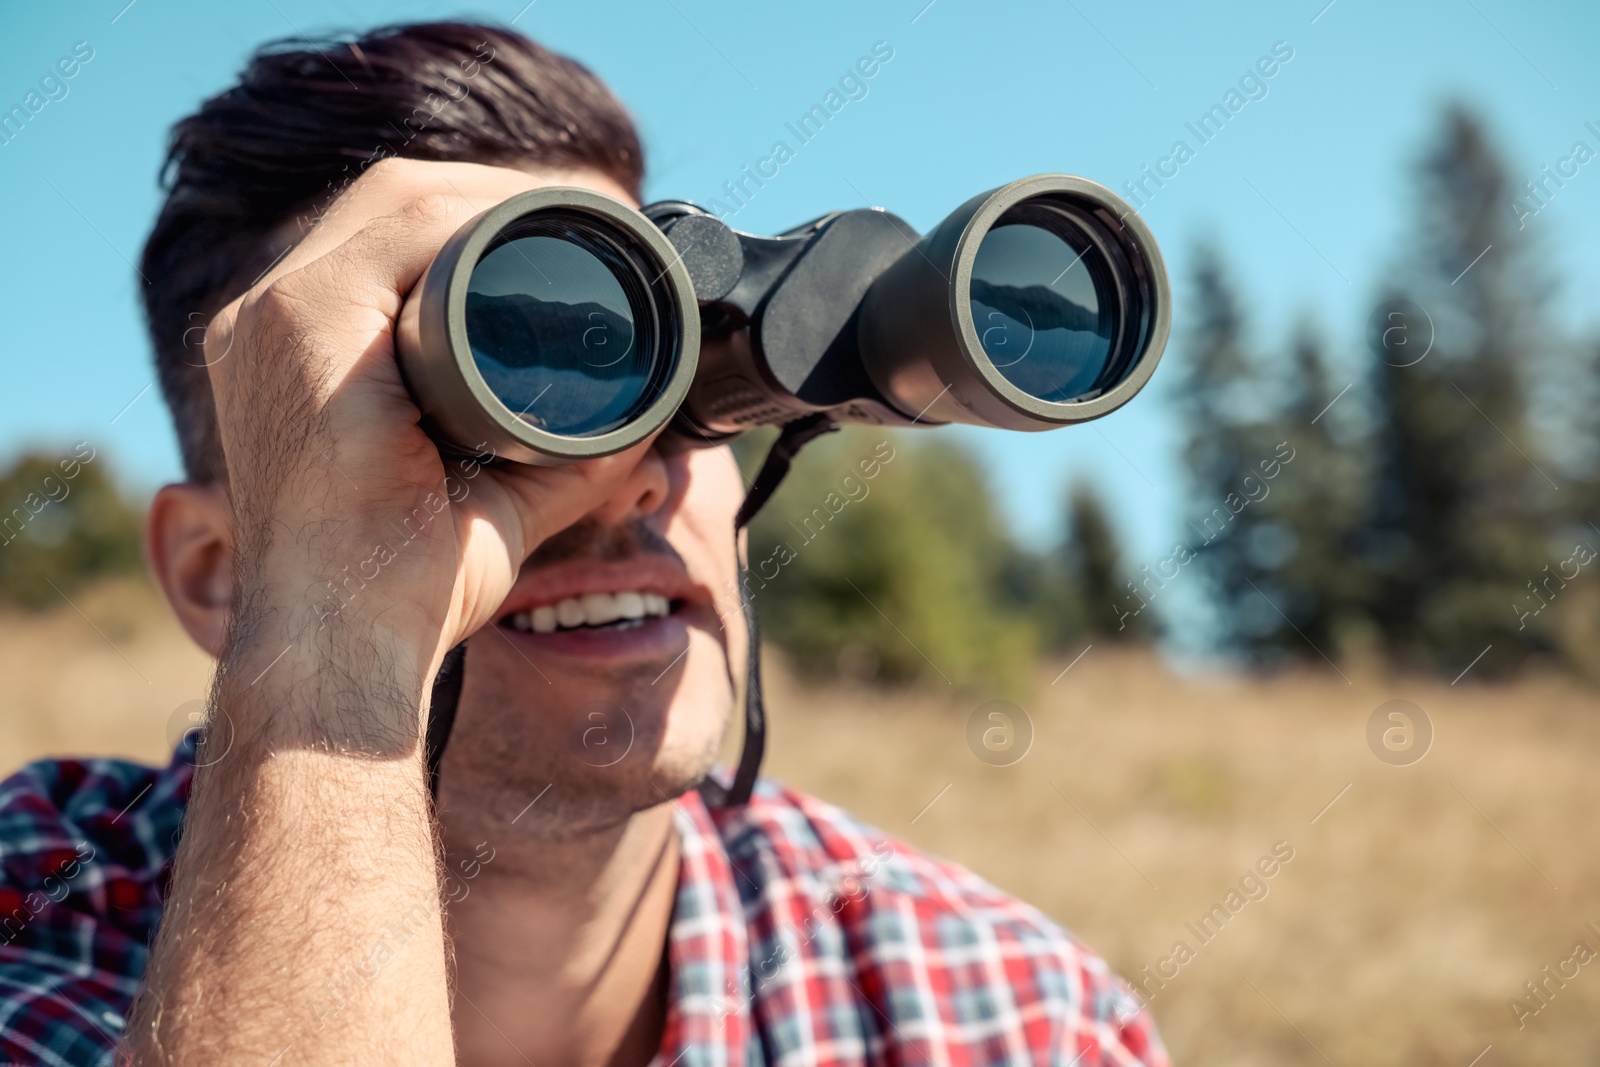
<point x="791" y="439"/>
<point x="447" y="685"/>
<point x="442" y="710"/>
<point x="755" y="717"/>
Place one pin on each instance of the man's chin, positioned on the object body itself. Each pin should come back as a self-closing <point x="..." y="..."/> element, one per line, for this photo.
<point x="577" y="802"/>
<point x="575" y="749"/>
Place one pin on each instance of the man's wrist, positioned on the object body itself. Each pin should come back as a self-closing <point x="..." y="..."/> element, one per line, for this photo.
<point x="340" y="686"/>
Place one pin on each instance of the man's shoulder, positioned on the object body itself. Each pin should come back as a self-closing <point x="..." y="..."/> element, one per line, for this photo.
<point x="84" y="847"/>
<point x="824" y="852"/>
<point x="52" y="807"/>
<point x="942" y="950"/>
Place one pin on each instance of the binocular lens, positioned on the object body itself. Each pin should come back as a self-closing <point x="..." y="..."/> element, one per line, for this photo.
<point x="562" y="326"/>
<point x="1044" y="303"/>
<point x="559" y="325"/>
<point x="1039" y="304"/>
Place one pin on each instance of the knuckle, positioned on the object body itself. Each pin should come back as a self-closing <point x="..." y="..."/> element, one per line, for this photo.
<point x="275" y="301"/>
<point x="274" y="309"/>
<point x="433" y="208"/>
<point x="217" y="335"/>
<point x="390" y="168"/>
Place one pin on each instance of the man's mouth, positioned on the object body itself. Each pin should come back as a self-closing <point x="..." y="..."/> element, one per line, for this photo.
<point x="617" y="611"/>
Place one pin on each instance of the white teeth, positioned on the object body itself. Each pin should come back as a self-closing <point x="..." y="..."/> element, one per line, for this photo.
<point x="599" y="608"/>
<point x="591" y="609"/>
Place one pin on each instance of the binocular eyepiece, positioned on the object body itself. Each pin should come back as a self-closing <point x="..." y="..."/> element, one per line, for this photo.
<point x="563" y="325"/>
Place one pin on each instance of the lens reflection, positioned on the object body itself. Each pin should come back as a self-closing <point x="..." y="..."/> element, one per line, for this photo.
<point x="555" y="334"/>
<point x="1045" y="308"/>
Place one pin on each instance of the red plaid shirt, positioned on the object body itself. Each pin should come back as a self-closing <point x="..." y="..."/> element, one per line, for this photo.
<point x="799" y="936"/>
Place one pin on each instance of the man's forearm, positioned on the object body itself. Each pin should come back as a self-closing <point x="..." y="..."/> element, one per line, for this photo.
<point x="303" y="925"/>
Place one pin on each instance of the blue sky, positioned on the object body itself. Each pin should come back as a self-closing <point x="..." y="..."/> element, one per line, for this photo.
<point x="1305" y="189"/>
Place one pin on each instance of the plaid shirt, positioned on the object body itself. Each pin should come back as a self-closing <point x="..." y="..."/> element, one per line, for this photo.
<point x="799" y="936"/>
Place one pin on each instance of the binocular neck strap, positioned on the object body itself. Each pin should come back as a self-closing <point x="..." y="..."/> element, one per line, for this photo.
<point x="791" y="439"/>
<point x="442" y="710"/>
<point x="447" y="684"/>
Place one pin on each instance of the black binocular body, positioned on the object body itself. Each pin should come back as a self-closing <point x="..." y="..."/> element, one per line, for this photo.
<point x="562" y="325"/>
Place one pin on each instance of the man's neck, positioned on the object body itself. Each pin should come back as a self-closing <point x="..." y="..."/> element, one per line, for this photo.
<point x="559" y="947"/>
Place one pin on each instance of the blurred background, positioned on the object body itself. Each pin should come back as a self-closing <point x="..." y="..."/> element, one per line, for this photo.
<point x="1366" y="472"/>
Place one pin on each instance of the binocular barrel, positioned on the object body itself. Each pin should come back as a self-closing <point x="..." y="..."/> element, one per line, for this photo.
<point x="563" y="325"/>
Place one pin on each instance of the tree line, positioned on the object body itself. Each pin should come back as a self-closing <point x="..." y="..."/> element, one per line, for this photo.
<point x="1440" y="513"/>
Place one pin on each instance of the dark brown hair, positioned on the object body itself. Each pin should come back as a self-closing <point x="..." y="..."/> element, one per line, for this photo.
<point x="306" y="118"/>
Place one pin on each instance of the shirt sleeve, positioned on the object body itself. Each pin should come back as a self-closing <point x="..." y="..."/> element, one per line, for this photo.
<point x="85" y="846"/>
<point x="1128" y="1035"/>
<point x="57" y="1014"/>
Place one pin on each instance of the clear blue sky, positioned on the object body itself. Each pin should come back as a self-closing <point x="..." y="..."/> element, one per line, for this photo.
<point x="978" y="92"/>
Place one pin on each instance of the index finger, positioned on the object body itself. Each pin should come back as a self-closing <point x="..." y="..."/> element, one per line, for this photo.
<point x="388" y="226"/>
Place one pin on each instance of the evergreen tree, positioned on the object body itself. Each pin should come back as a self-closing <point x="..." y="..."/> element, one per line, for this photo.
<point x="1215" y="394"/>
<point x="1460" y="505"/>
<point x="1075" y="591"/>
<point x="1094" y="570"/>
<point x="1297" y="549"/>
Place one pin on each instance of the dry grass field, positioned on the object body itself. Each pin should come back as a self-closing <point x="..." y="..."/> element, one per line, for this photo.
<point x="1414" y="908"/>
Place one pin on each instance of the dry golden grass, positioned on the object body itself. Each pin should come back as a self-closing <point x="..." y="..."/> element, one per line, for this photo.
<point x="101" y="676"/>
<point x="1413" y="909"/>
<point x="1397" y="934"/>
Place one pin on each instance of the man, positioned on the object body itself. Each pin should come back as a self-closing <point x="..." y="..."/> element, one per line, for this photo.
<point x="568" y="897"/>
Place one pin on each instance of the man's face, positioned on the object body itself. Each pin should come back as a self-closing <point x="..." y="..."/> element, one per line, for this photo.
<point x="607" y="676"/>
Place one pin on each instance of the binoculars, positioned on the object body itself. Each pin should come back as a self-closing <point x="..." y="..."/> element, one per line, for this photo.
<point x="562" y="325"/>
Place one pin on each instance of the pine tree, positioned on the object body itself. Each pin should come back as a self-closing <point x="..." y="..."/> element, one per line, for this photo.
<point x="1459" y="505"/>
<point x="1214" y="395"/>
<point x="1298" y="553"/>
<point x="1092" y="563"/>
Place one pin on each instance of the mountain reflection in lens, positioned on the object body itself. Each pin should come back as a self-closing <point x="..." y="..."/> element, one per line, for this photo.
<point x="554" y="332"/>
<point x="1044" y="309"/>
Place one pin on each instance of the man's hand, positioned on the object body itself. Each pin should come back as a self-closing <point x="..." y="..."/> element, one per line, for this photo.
<point x="303" y="922"/>
<point x="325" y="457"/>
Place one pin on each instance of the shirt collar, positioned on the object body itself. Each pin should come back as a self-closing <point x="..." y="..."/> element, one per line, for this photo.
<point x="708" y="1001"/>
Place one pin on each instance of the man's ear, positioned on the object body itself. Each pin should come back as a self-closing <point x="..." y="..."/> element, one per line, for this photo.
<point x="188" y="546"/>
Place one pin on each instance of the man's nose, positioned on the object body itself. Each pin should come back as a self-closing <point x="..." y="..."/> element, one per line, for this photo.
<point x="640" y="495"/>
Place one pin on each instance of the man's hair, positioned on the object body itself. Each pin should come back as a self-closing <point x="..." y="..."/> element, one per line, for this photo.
<point x="305" y="120"/>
